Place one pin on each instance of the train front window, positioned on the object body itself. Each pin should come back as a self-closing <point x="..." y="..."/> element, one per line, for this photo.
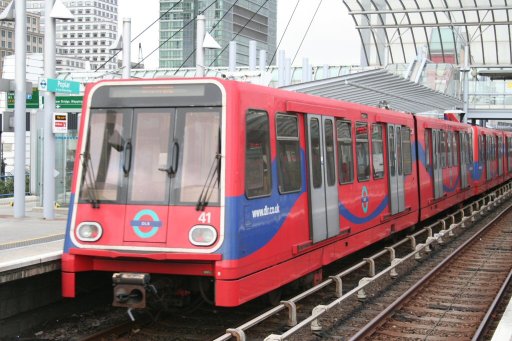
<point x="156" y="156"/>
<point x="103" y="158"/>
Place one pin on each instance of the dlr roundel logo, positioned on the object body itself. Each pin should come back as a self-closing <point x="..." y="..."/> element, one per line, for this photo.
<point x="146" y="223"/>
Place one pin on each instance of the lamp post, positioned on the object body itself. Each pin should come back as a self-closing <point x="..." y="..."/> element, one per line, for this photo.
<point x="17" y="10"/>
<point x="54" y="9"/>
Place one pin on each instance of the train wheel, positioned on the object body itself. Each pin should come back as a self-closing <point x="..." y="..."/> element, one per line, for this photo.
<point x="274" y="297"/>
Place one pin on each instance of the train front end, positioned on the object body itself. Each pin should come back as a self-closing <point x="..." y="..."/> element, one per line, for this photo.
<point x="147" y="196"/>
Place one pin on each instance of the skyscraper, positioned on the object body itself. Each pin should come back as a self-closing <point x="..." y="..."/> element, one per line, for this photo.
<point x="226" y="20"/>
<point x="34" y="35"/>
<point x="88" y="36"/>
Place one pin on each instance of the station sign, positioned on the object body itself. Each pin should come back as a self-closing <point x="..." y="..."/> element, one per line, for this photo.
<point x="31" y="103"/>
<point x="67" y="102"/>
<point x="59" y="85"/>
<point x="60" y="123"/>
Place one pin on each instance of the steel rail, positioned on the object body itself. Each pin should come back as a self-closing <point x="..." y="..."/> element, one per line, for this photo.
<point x="478" y="207"/>
<point x="369" y="328"/>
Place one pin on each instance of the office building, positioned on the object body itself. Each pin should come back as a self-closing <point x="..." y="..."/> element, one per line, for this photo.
<point x="226" y="20"/>
<point x="88" y="37"/>
<point x="35" y="40"/>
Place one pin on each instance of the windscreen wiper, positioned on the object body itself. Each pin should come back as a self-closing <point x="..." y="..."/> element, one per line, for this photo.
<point x="211" y="179"/>
<point x="89" y="179"/>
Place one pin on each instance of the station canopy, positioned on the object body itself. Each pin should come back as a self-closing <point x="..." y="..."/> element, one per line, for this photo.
<point x="380" y="88"/>
<point x="396" y="31"/>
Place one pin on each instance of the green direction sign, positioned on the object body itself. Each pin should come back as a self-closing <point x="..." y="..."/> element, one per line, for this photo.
<point x="59" y="85"/>
<point x="32" y="100"/>
<point x="68" y="102"/>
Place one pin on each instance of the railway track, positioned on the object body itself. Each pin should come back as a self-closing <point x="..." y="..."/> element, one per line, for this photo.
<point x="341" y="306"/>
<point x="452" y="301"/>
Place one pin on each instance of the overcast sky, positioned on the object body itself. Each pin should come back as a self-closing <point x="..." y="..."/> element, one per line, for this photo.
<point x="332" y="38"/>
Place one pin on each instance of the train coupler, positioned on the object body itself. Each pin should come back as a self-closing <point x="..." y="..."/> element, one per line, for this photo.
<point x="130" y="290"/>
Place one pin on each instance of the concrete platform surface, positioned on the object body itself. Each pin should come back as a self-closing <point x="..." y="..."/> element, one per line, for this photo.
<point x="31" y="239"/>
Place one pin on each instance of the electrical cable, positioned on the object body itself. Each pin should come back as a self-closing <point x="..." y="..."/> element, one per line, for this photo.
<point x="282" y="36"/>
<point x="147" y="28"/>
<point x="306" y="33"/>
<point x="236" y="35"/>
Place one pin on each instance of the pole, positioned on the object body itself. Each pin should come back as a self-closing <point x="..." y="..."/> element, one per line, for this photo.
<point x="252" y="55"/>
<point x="232" y="56"/>
<point x="199" y="45"/>
<point x="20" y="28"/>
<point x="49" y="108"/>
<point x="127" y="65"/>
<point x="466" y="82"/>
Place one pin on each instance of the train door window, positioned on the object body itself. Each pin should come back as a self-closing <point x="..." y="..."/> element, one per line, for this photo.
<point x="377" y="151"/>
<point x="288" y="151"/>
<point x="508" y="152"/>
<point x="443" y="149"/>
<point x="481" y="146"/>
<point x="345" y="157"/>
<point x="329" y="152"/>
<point x="449" y="149"/>
<point x="455" y="149"/>
<point x="470" y="147"/>
<point x="392" y="151"/>
<point x="258" y="177"/>
<point x="362" y="151"/>
<point x="399" y="155"/>
<point x="406" y="150"/>
<point x="152" y="134"/>
<point x="428" y="134"/>
<point x="316" y="153"/>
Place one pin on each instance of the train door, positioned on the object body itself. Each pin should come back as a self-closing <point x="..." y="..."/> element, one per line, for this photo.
<point x="463" y="150"/>
<point x="165" y="167"/>
<point x="500" y="155"/>
<point x="396" y="175"/>
<point x="323" y="187"/>
<point x="488" y="158"/>
<point x="437" y="156"/>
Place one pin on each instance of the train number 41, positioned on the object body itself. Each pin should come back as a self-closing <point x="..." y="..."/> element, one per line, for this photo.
<point x="205" y="218"/>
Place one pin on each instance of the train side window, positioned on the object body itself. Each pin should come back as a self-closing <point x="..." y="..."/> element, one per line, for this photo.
<point x="406" y="150"/>
<point x="362" y="151"/>
<point x="288" y="153"/>
<point x="258" y="177"/>
<point x="377" y="151"/>
<point x="345" y="157"/>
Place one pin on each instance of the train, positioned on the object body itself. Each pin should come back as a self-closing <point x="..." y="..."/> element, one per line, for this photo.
<point x="229" y="191"/>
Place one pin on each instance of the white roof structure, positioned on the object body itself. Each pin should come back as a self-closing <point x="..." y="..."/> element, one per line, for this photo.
<point x="379" y="88"/>
<point x="396" y="31"/>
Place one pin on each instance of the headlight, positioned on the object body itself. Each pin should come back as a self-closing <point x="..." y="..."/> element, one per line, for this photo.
<point x="202" y="235"/>
<point x="89" y="232"/>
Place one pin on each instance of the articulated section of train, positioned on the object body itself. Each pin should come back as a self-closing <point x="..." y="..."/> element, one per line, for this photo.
<point x="229" y="190"/>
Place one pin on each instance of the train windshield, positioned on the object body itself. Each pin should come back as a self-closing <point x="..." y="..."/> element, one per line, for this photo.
<point x="152" y="156"/>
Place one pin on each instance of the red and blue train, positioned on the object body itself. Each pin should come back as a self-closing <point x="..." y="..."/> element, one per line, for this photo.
<point x="235" y="189"/>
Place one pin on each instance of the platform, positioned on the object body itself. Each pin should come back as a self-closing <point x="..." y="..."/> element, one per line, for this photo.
<point x="30" y="245"/>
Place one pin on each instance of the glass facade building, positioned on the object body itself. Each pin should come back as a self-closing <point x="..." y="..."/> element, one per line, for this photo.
<point x="226" y="20"/>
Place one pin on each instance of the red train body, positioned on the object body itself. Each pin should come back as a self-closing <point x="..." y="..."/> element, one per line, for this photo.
<point x="250" y="188"/>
